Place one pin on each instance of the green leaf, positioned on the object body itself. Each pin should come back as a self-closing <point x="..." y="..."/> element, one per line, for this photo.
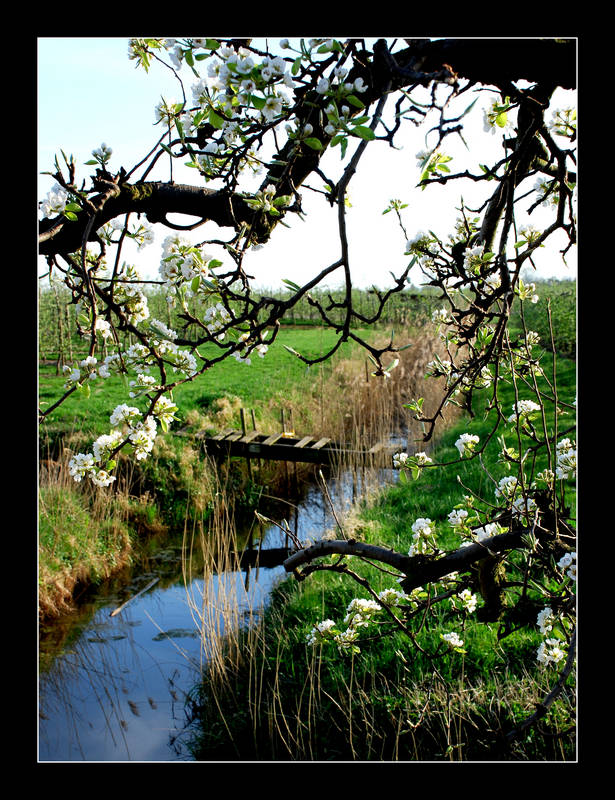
<point x="500" y="120"/>
<point x="215" y="119"/>
<point x="257" y="102"/>
<point x="292" y="284"/>
<point x="92" y="162"/>
<point x="469" y="108"/>
<point x="189" y="58"/>
<point x="314" y="143"/>
<point x="364" y="133"/>
<point x="72" y="207"/>
<point x="353" y="100"/>
<point x="195" y="283"/>
<point x="69" y="215"/>
<point x="295" y="67"/>
<point x="212" y="44"/>
<point x="167" y="149"/>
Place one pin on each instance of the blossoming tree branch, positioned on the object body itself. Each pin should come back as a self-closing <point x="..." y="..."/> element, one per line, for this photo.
<point x="244" y="109"/>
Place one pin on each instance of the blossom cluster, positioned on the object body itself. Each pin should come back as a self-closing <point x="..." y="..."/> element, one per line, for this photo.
<point x="55" y="201"/>
<point x="522" y="410"/>
<point x="130" y="297"/>
<point x="566" y="459"/>
<point x="466" y="444"/>
<point x="86" y="371"/>
<point x="552" y="649"/>
<point x="247" y="345"/>
<point x="128" y="427"/>
<point x="568" y="562"/>
<point x="215" y="318"/>
<point x="423" y="538"/>
<point x="360" y="613"/>
<point x="415" y="463"/>
<point x="182" y="263"/>
<point x="453" y="640"/>
<point x="142" y="233"/>
<point x="467" y="600"/>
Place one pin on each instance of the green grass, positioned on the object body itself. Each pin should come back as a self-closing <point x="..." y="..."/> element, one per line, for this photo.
<point x="253" y="384"/>
<point x="313" y="699"/>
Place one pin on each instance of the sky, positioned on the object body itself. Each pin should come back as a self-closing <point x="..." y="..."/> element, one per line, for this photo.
<point x="89" y="92"/>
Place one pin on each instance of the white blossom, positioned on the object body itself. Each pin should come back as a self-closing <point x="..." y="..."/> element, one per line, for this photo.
<point x="55" y="201"/>
<point x="466" y="443"/>
<point x="457" y="517"/>
<point x="452" y="639"/>
<point x="468" y="600"/>
<point x="399" y="459"/>
<point x="321" y="632"/>
<point x="81" y="465"/>
<point x="101" y="477"/>
<point x="105" y="444"/>
<point x="523" y="409"/>
<point x="550" y="652"/>
<point x="545" y="620"/>
<point x="569" y="560"/>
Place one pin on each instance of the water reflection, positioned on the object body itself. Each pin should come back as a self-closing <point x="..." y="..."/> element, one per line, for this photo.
<point x="119" y="690"/>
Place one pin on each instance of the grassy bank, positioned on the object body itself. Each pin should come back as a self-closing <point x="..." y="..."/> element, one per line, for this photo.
<point x="275" y="697"/>
<point x="86" y="535"/>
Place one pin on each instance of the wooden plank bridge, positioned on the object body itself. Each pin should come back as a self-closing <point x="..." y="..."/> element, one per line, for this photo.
<point x="285" y="446"/>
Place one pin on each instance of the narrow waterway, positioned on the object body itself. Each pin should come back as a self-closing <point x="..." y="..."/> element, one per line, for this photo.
<point x="116" y="686"/>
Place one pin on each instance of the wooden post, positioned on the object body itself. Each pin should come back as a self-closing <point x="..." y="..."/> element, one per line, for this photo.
<point x="286" y="462"/>
<point x="244" y="431"/>
<point x="295" y="478"/>
<point x="258" y="461"/>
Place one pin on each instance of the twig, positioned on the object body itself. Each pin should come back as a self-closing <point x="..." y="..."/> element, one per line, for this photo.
<point x="134" y="597"/>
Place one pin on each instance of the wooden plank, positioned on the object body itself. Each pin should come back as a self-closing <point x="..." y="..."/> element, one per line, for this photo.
<point x="249" y="436"/>
<point x="273" y="438"/>
<point x="320" y="443"/>
<point x="304" y="441"/>
<point x="234" y="436"/>
<point x="223" y="434"/>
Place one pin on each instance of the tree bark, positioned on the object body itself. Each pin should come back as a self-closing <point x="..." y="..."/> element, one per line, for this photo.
<point x="418" y="570"/>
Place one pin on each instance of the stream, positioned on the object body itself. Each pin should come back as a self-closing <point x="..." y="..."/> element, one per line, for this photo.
<point x="114" y="686"/>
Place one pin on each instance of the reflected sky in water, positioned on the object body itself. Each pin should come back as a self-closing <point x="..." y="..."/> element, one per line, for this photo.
<point x="118" y="691"/>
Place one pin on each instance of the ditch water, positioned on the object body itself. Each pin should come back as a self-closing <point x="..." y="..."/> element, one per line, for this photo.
<point x="114" y="687"/>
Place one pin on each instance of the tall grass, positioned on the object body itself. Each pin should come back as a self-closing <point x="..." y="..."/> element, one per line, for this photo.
<point x="279" y="699"/>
